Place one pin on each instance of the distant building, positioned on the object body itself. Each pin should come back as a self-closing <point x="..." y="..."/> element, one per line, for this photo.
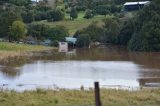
<point x="131" y="6"/>
<point x="63" y="47"/>
<point x="34" y="1"/>
<point x="71" y="41"/>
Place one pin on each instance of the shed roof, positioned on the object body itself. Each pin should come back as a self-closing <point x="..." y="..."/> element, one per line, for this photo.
<point x="71" y="39"/>
<point x="135" y="3"/>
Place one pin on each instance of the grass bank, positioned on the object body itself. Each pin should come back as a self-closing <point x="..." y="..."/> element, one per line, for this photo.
<point x="12" y="49"/>
<point x="80" y="98"/>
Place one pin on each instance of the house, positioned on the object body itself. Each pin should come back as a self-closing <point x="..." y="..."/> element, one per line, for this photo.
<point x="131" y="6"/>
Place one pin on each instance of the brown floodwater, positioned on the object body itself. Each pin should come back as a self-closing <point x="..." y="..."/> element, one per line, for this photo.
<point x="112" y="66"/>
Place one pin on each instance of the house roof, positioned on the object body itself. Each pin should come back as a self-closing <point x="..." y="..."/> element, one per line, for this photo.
<point x="71" y="39"/>
<point x="36" y="0"/>
<point x="135" y="3"/>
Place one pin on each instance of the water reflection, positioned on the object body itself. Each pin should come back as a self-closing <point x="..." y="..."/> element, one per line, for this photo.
<point x="9" y="72"/>
<point x="110" y="65"/>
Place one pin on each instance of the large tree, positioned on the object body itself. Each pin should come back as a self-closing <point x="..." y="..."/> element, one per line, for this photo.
<point x="146" y="37"/>
<point x="17" y="31"/>
<point x="73" y="13"/>
<point x="6" y="20"/>
<point x="112" y="29"/>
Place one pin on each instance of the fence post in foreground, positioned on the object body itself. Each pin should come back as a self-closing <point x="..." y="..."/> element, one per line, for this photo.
<point x="97" y="94"/>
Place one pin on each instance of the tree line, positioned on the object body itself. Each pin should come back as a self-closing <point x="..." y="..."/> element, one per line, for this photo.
<point x="139" y="33"/>
<point x="18" y="16"/>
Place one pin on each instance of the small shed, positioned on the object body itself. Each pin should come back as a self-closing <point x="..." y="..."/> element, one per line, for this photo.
<point x="131" y="6"/>
<point x="71" y="41"/>
<point x="63" y="47"/>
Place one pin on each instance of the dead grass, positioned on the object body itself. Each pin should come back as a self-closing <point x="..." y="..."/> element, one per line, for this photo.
<point x="11" y="49"/>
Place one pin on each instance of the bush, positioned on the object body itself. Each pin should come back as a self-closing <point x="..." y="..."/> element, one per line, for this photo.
<point x="20" y="2"/>
<point x="126" y="32"/>
<point x="38" y="31"/>
<point x="55" y="43"/>
<point x="147" y="33"/>
<point x="102" y="9"/>
<point x="17" y="31"/>
<point x="28" y="16"/>
<point x="6" y="20"/>
<point x="42" y="31"/>
<point x="83" y="40"/>
<point x="94" y="31"/>
<point x="73" y="13"/>
<point x="112" y="30"/>
<point x="55" y="15"/>
<point x="88" y="14"/>
<point x="57" y="33"/>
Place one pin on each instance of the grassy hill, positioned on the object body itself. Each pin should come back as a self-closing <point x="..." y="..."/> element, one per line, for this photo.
<point x="75" y="25"/>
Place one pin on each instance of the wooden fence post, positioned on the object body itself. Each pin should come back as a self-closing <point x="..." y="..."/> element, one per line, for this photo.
<point x="97" y="94"/>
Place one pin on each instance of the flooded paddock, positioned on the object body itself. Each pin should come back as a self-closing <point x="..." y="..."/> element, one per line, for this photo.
<point x="112" y="66"/>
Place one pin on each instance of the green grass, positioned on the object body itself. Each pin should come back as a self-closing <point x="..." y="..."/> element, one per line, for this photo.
<point x="42" y="97"/>
<point x="6" y="46"/>
<point x="75" y="25"/>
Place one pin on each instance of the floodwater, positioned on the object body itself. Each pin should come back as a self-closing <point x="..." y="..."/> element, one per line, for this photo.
<point x="112" y="66"/>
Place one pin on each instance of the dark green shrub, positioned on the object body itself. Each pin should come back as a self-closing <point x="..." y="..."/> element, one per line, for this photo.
<point x="88" y="14"/>
<point x="55" y="15"/>
<point x="83" y="40"/>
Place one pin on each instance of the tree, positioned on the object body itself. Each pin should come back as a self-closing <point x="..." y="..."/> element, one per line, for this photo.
<point x="73" y="13"/>
<point x="38" y="31"/>
<point x="20" y="2"/>
<point x="55" y="15"/>
<point x="43" y="31"/>
<point x="94" y="31"/>
<point x="88" y="14"/>
<point x="147" y="32"/>
<point x="112" y="29"/>
<point x="83" y="40"/>
<point x="102" y="9"/>
<point x="6" y="20"/>
<point x="57" y="33"/>
<point x="126" y="32"/>
<point x="17" y="31"/>
<point x="149" y="40"/>
<point x="28" y="16"/>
